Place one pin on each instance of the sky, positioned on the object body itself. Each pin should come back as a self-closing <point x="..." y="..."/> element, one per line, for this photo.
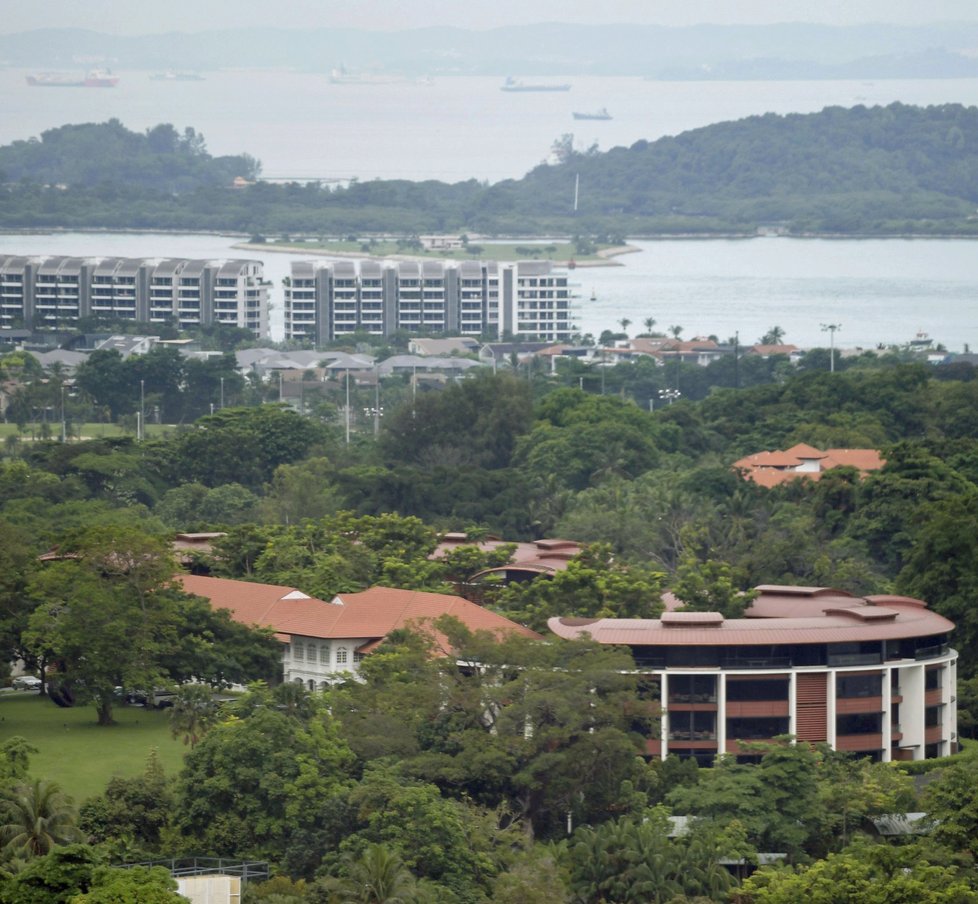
<point x="146" y="17"/>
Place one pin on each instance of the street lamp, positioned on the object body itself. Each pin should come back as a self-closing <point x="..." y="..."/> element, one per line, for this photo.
<point x="222" y="392"/>
<point x="64" y="426"/>
<point x="830" y="328"/>
<point x="142" y="410"/>
<point x="348" y="407"/>
<point x="669" y="394"/>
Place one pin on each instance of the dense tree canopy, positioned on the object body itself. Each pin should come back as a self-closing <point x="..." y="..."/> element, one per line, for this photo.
<point x="892" y="169"/>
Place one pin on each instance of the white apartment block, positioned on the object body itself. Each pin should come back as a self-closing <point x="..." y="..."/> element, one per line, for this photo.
<point x="53" y="292"/>
<point x="326" y="300"/>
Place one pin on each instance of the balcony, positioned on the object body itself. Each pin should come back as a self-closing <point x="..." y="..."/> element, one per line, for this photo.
<point x="765" y="662"/>
<point x="685" y="735"/>
<point x="848" y="659"/>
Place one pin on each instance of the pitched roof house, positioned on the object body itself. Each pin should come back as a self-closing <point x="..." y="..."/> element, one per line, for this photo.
<point x="773" y="468"/>
<point x="324" y="639"/>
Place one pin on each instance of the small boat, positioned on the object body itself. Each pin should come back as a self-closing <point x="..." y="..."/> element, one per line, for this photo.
<point x="512" y="84"/>
<point x="594" y="295"/>
<point x="97" y="78"/>
<point x="600" y="114"/>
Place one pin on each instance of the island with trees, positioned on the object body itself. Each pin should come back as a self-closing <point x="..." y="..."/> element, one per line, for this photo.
<point x="894" y="170"/>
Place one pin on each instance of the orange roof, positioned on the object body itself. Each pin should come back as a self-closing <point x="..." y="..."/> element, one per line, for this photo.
<point x="769" y="469"/>
<point x="804" y="451"/>
<point x="542" y="556"/>
<point x="766" y="351"/>
<point x="369" y="615"/>
<point x="779" y="615"/>
<point x="863" y="459"/>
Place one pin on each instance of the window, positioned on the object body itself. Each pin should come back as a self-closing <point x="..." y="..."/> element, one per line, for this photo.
<point x="859" y="686"/>
<point x="357" y="657"/>
<point x="341" y="656"/>
<point x="692" y="726"/>
<point x="859" y="723"/>
<point x="933" y="716"/>
<point x="298" y="651"/>
<point x="692" y="689"/>
<point x="746" y="729"/>
<point x="933" y="679"/>
<point x="324" y="654"/>
<point x="757" y="689"/>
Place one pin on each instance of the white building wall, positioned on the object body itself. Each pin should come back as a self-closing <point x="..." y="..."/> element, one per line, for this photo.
<point x="320" y="660"/>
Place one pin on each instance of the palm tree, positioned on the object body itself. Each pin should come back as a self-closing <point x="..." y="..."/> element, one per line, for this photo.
<point x="648" y="323"/>
<point x="675" y="330"/>
<point x="625" y="324"/>
<point x="194" y="712"/>
<point x="378" y="876"/>
<point x="35" y="817"/>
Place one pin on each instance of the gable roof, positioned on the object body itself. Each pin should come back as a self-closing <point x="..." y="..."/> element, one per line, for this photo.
<point x="769" y="469"/>
<point x="366" y="616"/>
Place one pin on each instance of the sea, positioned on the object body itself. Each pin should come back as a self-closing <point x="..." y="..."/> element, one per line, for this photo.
<point x="303" y="126"/>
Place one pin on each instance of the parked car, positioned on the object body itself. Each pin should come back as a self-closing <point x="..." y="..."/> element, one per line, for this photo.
<point x="160" y="698"/>
<point x="26" y="683"/>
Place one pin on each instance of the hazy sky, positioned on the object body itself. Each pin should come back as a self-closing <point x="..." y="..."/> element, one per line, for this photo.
<point x="150" y="16"/>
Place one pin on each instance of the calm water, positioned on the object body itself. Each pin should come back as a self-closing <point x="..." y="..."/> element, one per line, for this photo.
<point x="301" y="125"/>
<point x="877" y="290"/>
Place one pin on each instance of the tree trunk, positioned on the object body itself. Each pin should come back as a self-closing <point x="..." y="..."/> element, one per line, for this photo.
<point x="103" y="707"/>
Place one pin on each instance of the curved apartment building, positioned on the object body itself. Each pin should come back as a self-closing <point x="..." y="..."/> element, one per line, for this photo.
<point x="873" y="675"/>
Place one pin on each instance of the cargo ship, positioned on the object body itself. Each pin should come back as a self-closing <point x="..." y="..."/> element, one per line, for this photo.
<point x="171" y="76"/>
<point x="600" y="114"/>
<point x="512" y="84"/>
<point x="97" y="78"/>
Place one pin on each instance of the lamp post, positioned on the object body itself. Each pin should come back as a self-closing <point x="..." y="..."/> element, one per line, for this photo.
<point x="348" y="407"/>
<point x="142" y="410"/>
<point x="377" y="409"/>
<point x="669" y="394"/>
<point x="64" y="425"/>
<point x="222" y="392"/>
<point x="831" y="328"/>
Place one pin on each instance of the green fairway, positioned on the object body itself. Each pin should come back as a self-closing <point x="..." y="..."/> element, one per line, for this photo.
<point x="80" y="755"/>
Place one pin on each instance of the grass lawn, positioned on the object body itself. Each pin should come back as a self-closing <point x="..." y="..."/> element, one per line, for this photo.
<point x="88" y="431"/>
<point x="492" y="251"/>
<point x="80" y="755"/>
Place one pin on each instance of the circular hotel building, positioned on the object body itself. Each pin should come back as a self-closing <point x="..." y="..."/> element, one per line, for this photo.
<point x="872" y="675"/>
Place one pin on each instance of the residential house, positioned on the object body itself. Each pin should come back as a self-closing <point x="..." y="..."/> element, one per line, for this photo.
<point x="774" y="468"/>
<point x="322" y="641"/>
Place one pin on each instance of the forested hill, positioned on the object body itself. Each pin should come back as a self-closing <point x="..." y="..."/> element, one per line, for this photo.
<point x="108" y="153"/>
<point x="837" y="170"/>
<point x="879" y="170"/>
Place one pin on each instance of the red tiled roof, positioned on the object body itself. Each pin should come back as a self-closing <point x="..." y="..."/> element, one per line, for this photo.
<point x="769" y="469"/>
<point x="779" y="615"/>
<point x="804" y="451"/>
<point x="768" y="350"/>
<point x="371" y="614"/>
<point x="541" y="556"/>
<point x="863" y="459"/>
